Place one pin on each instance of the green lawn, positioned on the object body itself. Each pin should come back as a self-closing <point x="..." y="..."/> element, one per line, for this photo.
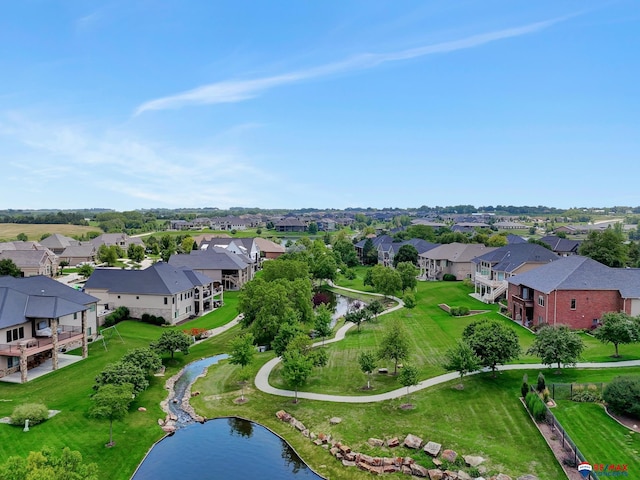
<point x="69" y="390"/>
<point x="600" y="439"/>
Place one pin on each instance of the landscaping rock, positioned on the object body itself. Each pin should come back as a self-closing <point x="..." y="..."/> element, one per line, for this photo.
<point x="435" y="474"/>
<point x="449" y="455"/>
<point x="142" y="409"/>
<point x="348" y="463"/>
<point x="528" y="477"/>
<point x="462" y="475"/>
<point x="344" y="449"/>
<point x="473" y="460"/>
<point x="323" y="437"/>
<point x="419" y="470"/>
<point x="312" y="436"/>
<point x="335" y="420"/>
<point x="437" y="462"/>
<point x="432" y="448"/>
<point x="334" y="451"/>
<point x="375" y="442"/>
<point x="450" y="475"/>
<point x="282" y="415"/>
<point x="408" y="461"/>
<point x="305" y="433"/>
<point x="393" y="442"/>
<point x="406" y="470"/>
<point x="298" y="424"/>
<point x="161" y="421"/>
<point x="501" y="476"/>
<point x="317" y="442"/>
<point x="411" y="441"/>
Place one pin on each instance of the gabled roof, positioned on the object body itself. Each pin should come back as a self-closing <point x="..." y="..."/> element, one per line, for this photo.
<point x="38" y="297"/>
<point x="114" y="238"/>
<point x="79" y="251"/>
<point x="420" y="245"/>
<point x="58" y="241"/>
<point x="559" y="244"/>
<point x="510" y="257"/>
<point x="268" y="246"/>
<point x="457" y="252"/>
<point x="290" y="222"/>
<point x="377" y="241"/>
<point x="213" y="258"/>
<point x="576" y="272"/>
<point x="159" y="279"/>
<point x="27" y="258"/>
<point x="513" y="239"/>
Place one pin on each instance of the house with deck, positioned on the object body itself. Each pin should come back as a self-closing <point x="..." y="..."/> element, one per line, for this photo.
<point x="574" y="291"/>
<point x="163" y="290"/>
<point x="451" y="258"/>
<point x="226" y="268"/>
<point x="39" y="318"/>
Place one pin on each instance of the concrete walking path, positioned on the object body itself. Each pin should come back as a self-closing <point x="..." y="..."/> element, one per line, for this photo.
<point x="262" y="377"/>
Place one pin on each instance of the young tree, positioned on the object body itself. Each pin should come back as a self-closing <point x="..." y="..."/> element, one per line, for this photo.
<point x="367" y="361"/>
<point x="46" y="464"/>
<point x="409" y="300"/>
<point x="242" y="353"/>
<point x="107" y="255"/>
<point x="395" y="344"/>
<point x="85" y="270"/>
<point x="493" y="342"/>
<point x="375" y="308"/>
<point x="296" y="368"/>
<point x="356" y="317"/>
<point x="22" y="237"/>
<point x="386" y="280"/>
<point x="119" y="373"/>
<point x="618" y="328"/>
<point x="406" y="253"/>
<point x="606" y="247"/>
<point x="409" y="377"/>
<point x="135" y="252"/>
<point x="369" y="253"/>
<point x="319" y="357"/>
<point x="145" y="358"/>
<point x="170" y="341"/>
<point x="557" y="345"/>
<point x="7" y="267"/>
<point x="408" y="273"/>
<point x="462" y="359"/>
<point x="111" y="402"/>
<point x="287" y="332"/>
<point x="322" y="321"/>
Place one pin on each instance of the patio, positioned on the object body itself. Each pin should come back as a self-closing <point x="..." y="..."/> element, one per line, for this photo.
<point x="44" y="368"/>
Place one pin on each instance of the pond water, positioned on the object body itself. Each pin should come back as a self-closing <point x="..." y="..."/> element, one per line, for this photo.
<point x="342" y="305"/>
<point x="224" y="448"/>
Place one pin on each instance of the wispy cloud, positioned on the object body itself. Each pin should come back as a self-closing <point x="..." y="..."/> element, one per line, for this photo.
<point x="238" y="90"/>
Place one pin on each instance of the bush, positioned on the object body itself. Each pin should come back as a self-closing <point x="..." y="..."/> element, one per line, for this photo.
<point x="449" y="277"/>
<point x="536" y="406"/>
<point x="120" y="313"/>
<point x="35" y="412"/>
<point x="409" y="300"/>
<point x="524" y="388"/>
<point x="586" y="396"/>
<point x="622" y="395"/>
<point x="541" y="383"/>
<point x="459" y="311"/>
<point x="350" y="274"/>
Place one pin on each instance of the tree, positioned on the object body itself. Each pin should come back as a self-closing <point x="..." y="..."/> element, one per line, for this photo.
<point x="108" y="254"/>
<point x="409" y="377"/>
<point x="408" y="273"/>
<point x="119" y="373"/>
<point x="557" y="345"/>
<point x="319" y="357"/>
<point x="409" y="300"/>
<point x="111" y="402"/>
<point x="312" y="228"/>
<point x="242" y="353"/>
<point x="46" y="464"/>
<point x="344" y="249"/>
<point x="85" y="270"/>
<point x="367" y="361"/>
<point x="395" y="344"/>
<point x="622" y="395"/>
<point x="287" y="332"/>
<point x="322" y="321"/>
<point x="497" y="240"/>
<point x="386" y="280"/>
<point x="618" y="328"/>
<point x="369" y="253"/>
<point x="357" y="317"/>
<point x="170" y="341"/>
<point x="187" y="244"/>
<point x="493" y="342"/>
<point x="22" y="237"/>
<point x="296" y="368"/>
<point x="145" y="358"/>
<point x="462" y="359"/>
<point x="406" y="253"/>
<point x="7" y="267"/>
<point x="606" y="247"/>
<point x="325" y="268"/>
<point x="287" y="269"/>
<point x="135" y="252"/>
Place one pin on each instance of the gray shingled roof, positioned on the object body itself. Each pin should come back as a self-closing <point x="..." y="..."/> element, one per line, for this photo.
<point x="580" y="273"/>
<point x="457" y="252"/>
<point x="510" y="257"/>
<point x="58" y="240"/>
<point x="27" y="258"/>
<point x="559" y="244"/>
<point x="159" y="279"/>
<point x="38" y="297"/>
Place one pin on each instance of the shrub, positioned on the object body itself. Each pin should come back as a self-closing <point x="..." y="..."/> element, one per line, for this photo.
<point x="536" y="406"/>
<point x="459" y="311"/>
<point x="541" y="383"/>
<point x="622" y="395"/>
<point x="119" y="314"/>
<point x="586" y="396"/>
<point x="35" y="412"/>
<point x="409" y="300"/>
<point x="524" y="389"/>
<point x="449" y="277"/>
<point x="350" y="274"/>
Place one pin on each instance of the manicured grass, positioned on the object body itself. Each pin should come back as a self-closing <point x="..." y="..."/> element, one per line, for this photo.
<point x="69" y="390"/>
<point x="482" y="419"/>
<point x="600" y="438"/>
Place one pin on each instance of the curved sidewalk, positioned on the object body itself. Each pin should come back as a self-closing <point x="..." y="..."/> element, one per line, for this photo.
<point x="262" y="377"/>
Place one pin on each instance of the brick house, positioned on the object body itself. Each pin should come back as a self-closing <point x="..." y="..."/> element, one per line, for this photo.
<point x="574" y="291"/>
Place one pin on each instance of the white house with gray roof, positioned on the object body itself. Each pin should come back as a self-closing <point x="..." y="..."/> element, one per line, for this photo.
<point x="451" y="258"/>
<point x="163" y="290"/>
<point x="39" y="317"/>
<point x="226" y="268"/>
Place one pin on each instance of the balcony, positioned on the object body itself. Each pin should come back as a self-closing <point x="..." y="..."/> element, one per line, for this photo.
<point x="526" y="301"/>
<point x="42" y="344"/>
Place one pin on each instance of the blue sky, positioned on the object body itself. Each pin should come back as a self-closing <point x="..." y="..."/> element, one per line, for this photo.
<point x="290" y="104"/>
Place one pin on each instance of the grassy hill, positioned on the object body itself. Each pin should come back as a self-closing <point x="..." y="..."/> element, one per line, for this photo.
<point x="10" y="231"/>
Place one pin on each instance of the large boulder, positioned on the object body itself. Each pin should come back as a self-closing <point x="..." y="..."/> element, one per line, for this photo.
<point x="432" y="448"/>
<point x="411" y="441"/>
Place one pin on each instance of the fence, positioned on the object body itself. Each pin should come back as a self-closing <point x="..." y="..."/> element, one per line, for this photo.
<point x="566" y="391"/>
<point x="575" y="456"/>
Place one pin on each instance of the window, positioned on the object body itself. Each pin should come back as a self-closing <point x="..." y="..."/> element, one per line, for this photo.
<point x="540" y="320"/>
<point x="137" y="297"/>
<point x="75" y="316"/>
<point x="13" y="361"/>
<point x="573" y="304"/>
<point x="15" y="334"/>
<point x="166" y="300"/>
<point x="541" y="300"/>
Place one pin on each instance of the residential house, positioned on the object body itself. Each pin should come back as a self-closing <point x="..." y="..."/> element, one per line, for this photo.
<point x="78" y="254"/>
<point x="562" y="246"/>
<point x="33" y="262"/>
<point x="428" y="223"/>
<point x="468" y="227"/>
<point x="39" y="317"/>
<point x="509" y="225"/>
<point x="226" y="268"/>
<point x="377" y="241"/>
<point x="163" y="290"/>
<point x="574" y="291"/>
<point x="451" y="258"/>
<point x="513" y="239"/>
<point x="57" y="242"/>
<point x="388" y="250"/>
<point x="121" y="240"/>
<point x="493" y="269"/>
<point x="290" y="225"/>
<point x="269" y="250"/>
<point x="228" y="223"/>
<point x="245" y="247"/>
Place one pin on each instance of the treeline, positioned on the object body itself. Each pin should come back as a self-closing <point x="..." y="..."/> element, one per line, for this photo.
<point x="71" y="218"/>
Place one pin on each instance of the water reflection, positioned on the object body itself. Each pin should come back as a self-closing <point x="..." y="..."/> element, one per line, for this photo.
<point x="240" y="427"/>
